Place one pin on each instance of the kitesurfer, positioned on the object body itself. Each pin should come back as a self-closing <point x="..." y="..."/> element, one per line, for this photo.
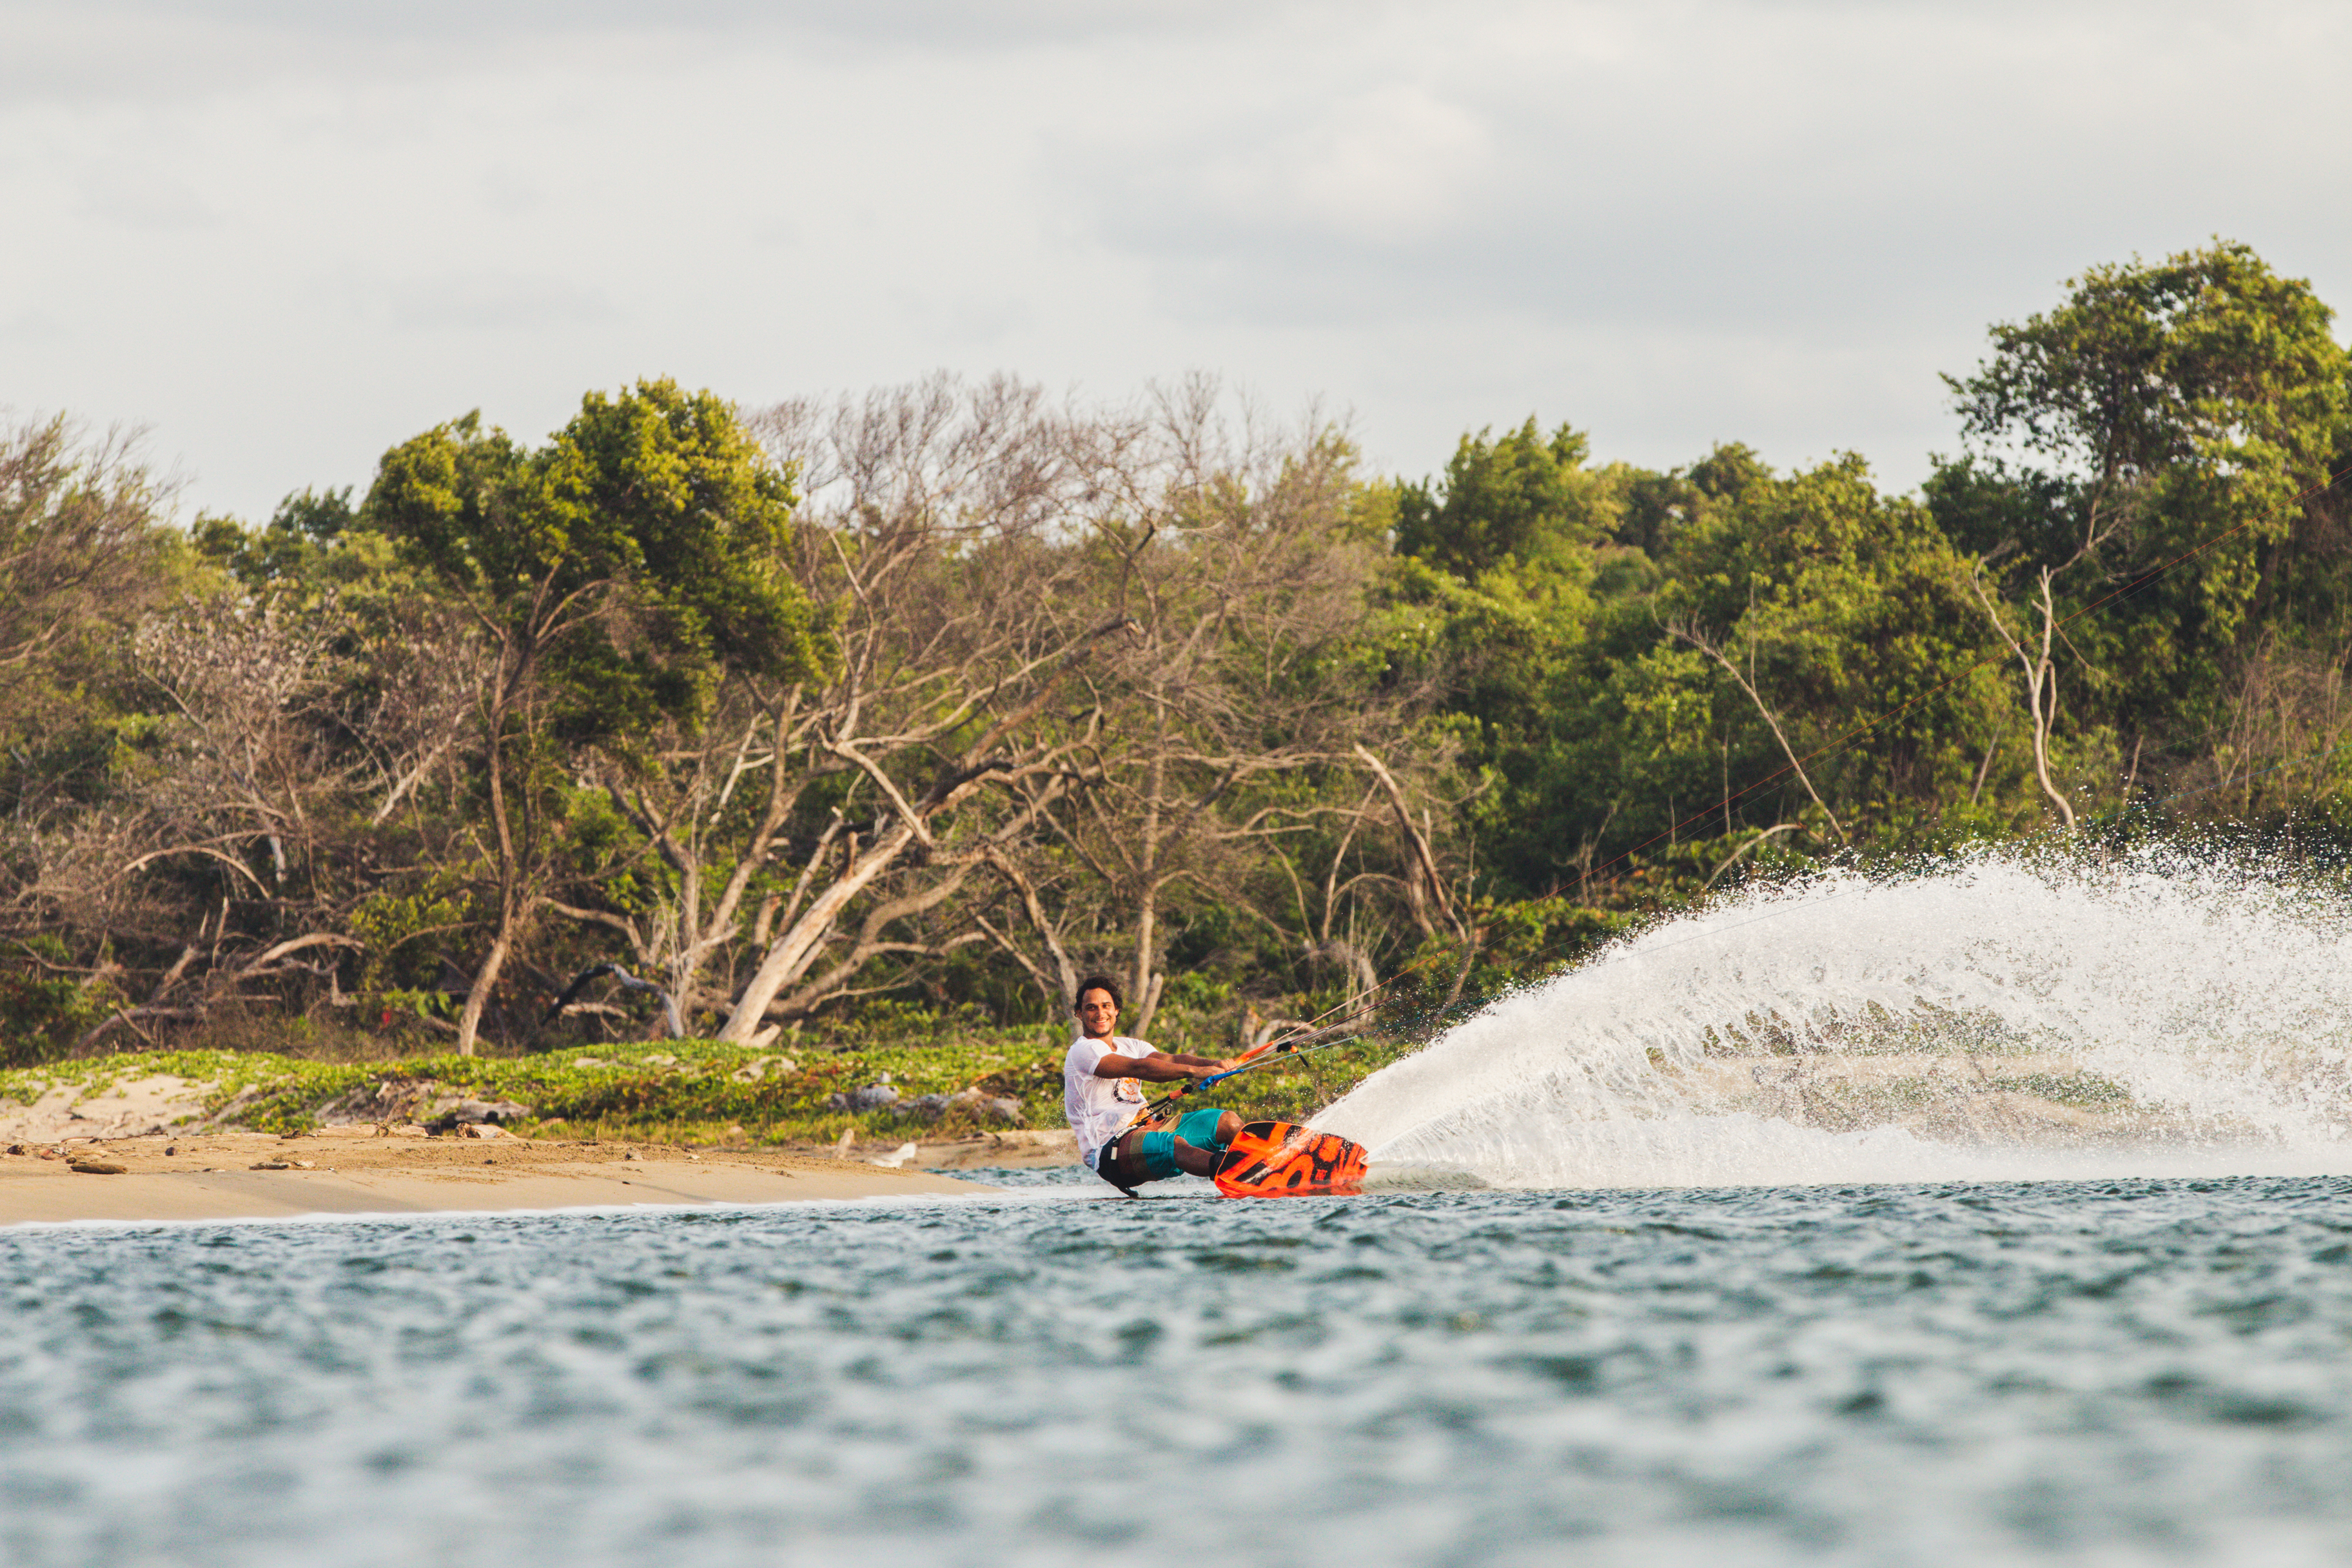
<point x="1102" y="1091"/>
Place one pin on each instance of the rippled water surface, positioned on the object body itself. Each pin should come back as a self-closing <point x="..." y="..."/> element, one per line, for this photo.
<point x="2147" y="1370"/>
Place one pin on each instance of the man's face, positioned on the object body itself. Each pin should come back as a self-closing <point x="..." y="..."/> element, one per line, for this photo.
<point x="1096" y="1014"/>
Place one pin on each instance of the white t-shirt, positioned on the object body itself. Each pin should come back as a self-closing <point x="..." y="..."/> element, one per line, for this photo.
<point x="1099" y="1107"/>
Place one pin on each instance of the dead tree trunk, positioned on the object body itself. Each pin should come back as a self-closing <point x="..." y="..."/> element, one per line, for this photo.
<point x="2041" y="677"/>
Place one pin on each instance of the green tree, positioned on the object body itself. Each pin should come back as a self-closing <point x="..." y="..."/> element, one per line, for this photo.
<point x="2162" y="407"/>
<point x="1521" y="497"/>
<point x="1830" y="606"/>
<point x="616" y="572"/>
<point x="84" y="553"/>
<point x="1780" y="614"/>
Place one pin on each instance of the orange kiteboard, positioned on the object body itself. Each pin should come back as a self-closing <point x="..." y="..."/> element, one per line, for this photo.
<point x="1280" y="1160"/>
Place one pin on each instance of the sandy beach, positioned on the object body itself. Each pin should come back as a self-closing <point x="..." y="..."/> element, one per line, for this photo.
<point x="234" y="1175"/>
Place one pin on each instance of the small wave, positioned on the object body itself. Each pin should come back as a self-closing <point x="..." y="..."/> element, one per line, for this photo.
<point x="1400" y="1177"/>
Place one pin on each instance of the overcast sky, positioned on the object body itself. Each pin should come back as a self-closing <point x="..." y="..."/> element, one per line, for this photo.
<point x="286" y="234"/>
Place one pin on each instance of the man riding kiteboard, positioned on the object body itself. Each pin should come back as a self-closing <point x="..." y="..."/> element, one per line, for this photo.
<point x="1129" y="1140"/>
<point x="1102" y="1092"/>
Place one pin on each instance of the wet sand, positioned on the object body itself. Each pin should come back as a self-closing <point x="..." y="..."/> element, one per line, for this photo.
<point x="239" y="1175"/>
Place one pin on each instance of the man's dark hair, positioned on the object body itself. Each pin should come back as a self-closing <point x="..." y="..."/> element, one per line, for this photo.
<point x="1098" y="983"/>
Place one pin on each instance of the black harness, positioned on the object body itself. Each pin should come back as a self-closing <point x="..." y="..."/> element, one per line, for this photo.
<point x="1104" y="1158"/>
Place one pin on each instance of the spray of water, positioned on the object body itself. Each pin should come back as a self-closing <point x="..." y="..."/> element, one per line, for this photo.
<point x="2000" y="1016"/>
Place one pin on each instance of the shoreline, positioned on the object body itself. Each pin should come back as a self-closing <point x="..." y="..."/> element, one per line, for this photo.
<point x="257" y="1176"/>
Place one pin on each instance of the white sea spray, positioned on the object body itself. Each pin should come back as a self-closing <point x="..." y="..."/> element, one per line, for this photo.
<point x="2001" y="1016"/>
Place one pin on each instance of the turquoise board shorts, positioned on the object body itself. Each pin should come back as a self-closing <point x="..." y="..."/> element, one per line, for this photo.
<point x="1157" y="1147"/>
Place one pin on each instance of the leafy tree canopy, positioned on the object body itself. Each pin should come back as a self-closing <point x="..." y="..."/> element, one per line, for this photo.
<point x="1521" y="497"/>
<point x="652" y="518"/>
<point x="2162" y="408"/>
<point x="2208" y="361"/>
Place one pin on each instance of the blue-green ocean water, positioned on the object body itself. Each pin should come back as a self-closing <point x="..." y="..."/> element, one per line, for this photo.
<point x="2121" y="1372"/>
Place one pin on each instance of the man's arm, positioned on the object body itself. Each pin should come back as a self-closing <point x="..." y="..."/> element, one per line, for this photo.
<point x="1159" y="1067"/>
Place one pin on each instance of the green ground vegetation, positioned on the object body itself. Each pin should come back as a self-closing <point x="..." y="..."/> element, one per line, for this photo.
<point x="694" y="1093"/>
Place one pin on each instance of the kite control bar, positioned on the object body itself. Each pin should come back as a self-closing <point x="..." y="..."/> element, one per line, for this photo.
<point x="1257" y="1056"/>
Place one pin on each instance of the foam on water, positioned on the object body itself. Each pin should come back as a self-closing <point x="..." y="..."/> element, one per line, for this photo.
<point x="1999" y="1016"/>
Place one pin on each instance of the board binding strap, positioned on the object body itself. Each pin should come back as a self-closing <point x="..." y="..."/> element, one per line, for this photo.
<point x="1281" y="1159"/>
